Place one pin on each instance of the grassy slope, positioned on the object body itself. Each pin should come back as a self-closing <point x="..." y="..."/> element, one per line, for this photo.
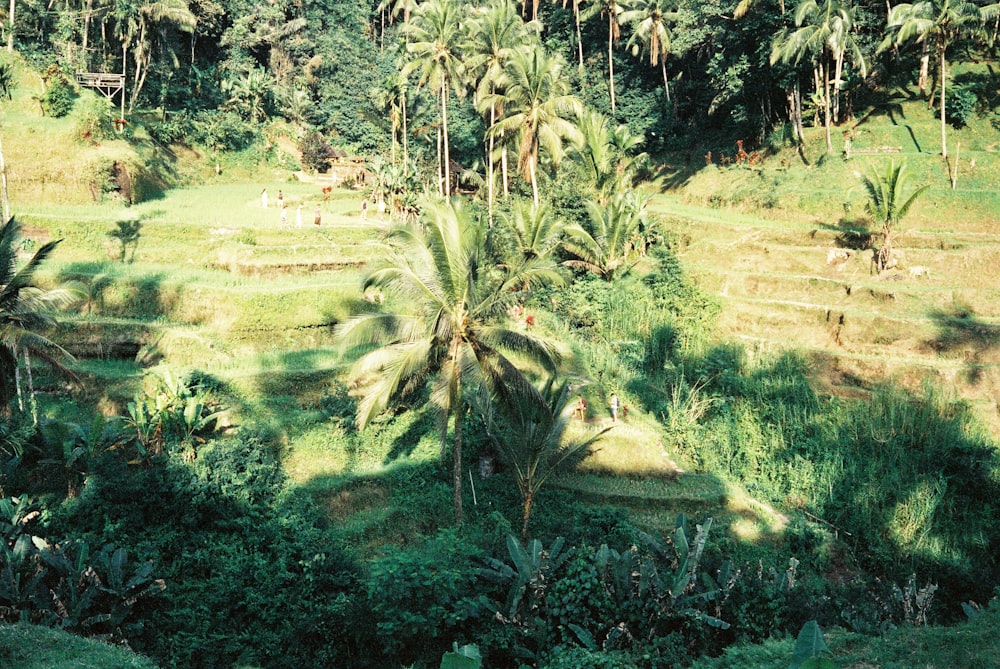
<point x="33" y="647"/>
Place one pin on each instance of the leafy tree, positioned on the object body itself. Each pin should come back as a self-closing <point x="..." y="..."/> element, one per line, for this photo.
<point x="453" y="335"/>
<point x="938" y="21"/>
<point x="888" y="203"/>
<point x="537" y="231"/>
<point x="537" y="107"/>
<point x="437" y="43"/>
<point x="613" y="239"/>
<point x="534" y="443"/>
<point x="609" y="154"/>
<point x="26" y="311"/>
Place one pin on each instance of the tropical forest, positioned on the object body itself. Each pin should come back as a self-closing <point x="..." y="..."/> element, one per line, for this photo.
<point x="496" y="334"/>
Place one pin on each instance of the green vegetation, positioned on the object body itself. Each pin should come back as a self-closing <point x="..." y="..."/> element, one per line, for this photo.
<point x="371" y="426"/>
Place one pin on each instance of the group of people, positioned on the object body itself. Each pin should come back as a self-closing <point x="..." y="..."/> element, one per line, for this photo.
<point x="613" y="404"/>
<point x="283" y="208"/>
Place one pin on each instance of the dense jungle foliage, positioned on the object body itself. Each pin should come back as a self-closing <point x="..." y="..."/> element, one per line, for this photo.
<point x="158" y="525"/>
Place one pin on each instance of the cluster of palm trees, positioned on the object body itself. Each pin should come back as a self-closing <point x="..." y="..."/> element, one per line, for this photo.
<point x="521" y="90"/>
<point x="825" y="36"/>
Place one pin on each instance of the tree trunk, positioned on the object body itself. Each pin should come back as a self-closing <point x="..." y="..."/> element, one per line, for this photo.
<point x="3" y="186"/>
<point x="925" y="59"/>
<point x="529" y="503"/>
<point x="457" y="470"/>
<point x="491" y="187"/>
<point x="826" y="107"/>
<point x="506" y="177"/>
<point x="444" y="125"/>
<point x="534" y="180"/>
<point x="579" y="34"/>
<point x="837" y="73"/>
<point x="10" y="33"/>
<point x="406" y="146"/>
<point x="31" y="388"/>
<point x="611" y="61"/>
<point x="666" y="85"/>
<point x="944" y="132"/>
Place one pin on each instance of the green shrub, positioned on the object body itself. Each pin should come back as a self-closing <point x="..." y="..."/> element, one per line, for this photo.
<point x="60" y="93"/>
<point x="960" y="104"/>
<point x="223" y="131"/>
<point x="316" y="152"/>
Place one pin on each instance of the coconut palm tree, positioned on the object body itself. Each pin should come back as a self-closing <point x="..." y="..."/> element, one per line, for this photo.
<point x="612" y="9"/>
<point x="888" y="203"/>
<point x="652" y="33"/>
<point x="26" y="312"/>
<point x="497" y="32"/>
<point x="613" y="239"/>
<point x="437" y="44"/>
<point x="538" y="108"/>
<point x="532" y="440"/>
<point x="537" y="231"/>
<point x="824" y="35"/>
<point x="937" y="21"/>
<point x="453" y="334"/>
<point x="579" y="33"/>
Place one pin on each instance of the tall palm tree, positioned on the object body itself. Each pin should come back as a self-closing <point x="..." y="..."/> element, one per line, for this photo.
<point x="652" y="33"/>
<point x="537" y="231"/>
<point x="613" y="239"/>
<point x="532" y="440"/>
<point x="538" y="108"/>
<point x="579" y="32"/>
<point x="937" y="21"/>
<point x="437" y="43"/>
<point x="824" y="36"/>
<point x="26" y="312"/>
<point x="612" y="9"/>
<point x="497" y="32"/>
<point x="452" y="335"/>
<point x="888" y="203"/>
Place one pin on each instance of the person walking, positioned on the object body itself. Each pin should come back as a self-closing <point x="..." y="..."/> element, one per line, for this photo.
<point x="281" y="200"/>
<point x="263" y="198"/>
<point x="318" y="216"/>
<point x="284" y="214"/>
<point x="364" y="209"/>
<point x="298" y="217"/>
<point x="614" y="408"/>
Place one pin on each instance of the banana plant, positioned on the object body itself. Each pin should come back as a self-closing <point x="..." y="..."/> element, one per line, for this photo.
<point x="529" y="573"/>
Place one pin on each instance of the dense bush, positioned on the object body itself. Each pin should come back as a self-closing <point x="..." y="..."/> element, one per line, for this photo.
<point x="60" y="93"/>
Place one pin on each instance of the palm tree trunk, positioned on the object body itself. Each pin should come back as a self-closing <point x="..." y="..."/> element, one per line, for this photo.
<point x="503" y="165"/>
<point x="444" y="126"/>
<point x="31" y="388"/>
<point x="826" y="107"/>
<point x="17" y="385"/>
<point x="666" y="85"/>
<point x="944" y="132"/>
<point x="406" y="146"/>
<point x="3" y="186"/>
<point x="10" y="33"/>
<point x="611" y="61"/>
<point x="837" y="72"/>
<point x="579" y="34"/>
<point x="489" y="164"/>
<point x="529" y="503"/>
<point x="457" y="469"/>
<point x="925" y="59"/>
<point x="534" y="180"/>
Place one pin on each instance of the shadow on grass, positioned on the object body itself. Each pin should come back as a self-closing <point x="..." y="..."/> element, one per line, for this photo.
<point x="959" y="331"/>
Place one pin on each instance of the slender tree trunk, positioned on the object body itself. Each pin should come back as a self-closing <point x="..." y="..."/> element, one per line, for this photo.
<point x="491" y="187"/>
<point x="444" y="125"/>
<point x="826" y="107"/>
<point x="837" y="73"/>
<point x="457" y="471"/>
<point x="31" y="387"/>
<point x="925" y="59"/>
<point x="579" y="33"/>
<point x="17" y="385"/>
<point x="611" y="61"/>
<point x="506" y="176"/>
<point x="3" y="186"/>
<point x="944" y="132"/>
<point x="666" y="85"/>
<point x="534" y="180"/>
<point x="88" y="11"/>
<point x="10" y="24"/>
<point x="406" y="152"/>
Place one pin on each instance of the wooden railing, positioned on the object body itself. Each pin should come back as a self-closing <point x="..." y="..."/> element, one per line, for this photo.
<point x="100" y="79"/>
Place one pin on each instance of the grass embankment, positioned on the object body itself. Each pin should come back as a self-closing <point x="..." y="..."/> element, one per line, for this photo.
<point x="33" y="647"/>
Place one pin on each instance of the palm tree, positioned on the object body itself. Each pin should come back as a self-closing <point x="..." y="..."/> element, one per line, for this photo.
<point x="614" y="238"/>
<point x="937" y="21"/>
<point x="538" y="109"/>
<point x="609" y="154"/>
<point x="496" y="34"/>
<point x="532" y="440"/>
<point x="453" y="335"/>
<point x="26" y="311"/>
<point x="437" y="44"/>
<point x="537" y="231"/>
<point x="887" y="204"/>
<point x="612" y="9"/>
<point x="579" y="33"/>
<point x="824" y="35"/>
<point x="651" y="33"/>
